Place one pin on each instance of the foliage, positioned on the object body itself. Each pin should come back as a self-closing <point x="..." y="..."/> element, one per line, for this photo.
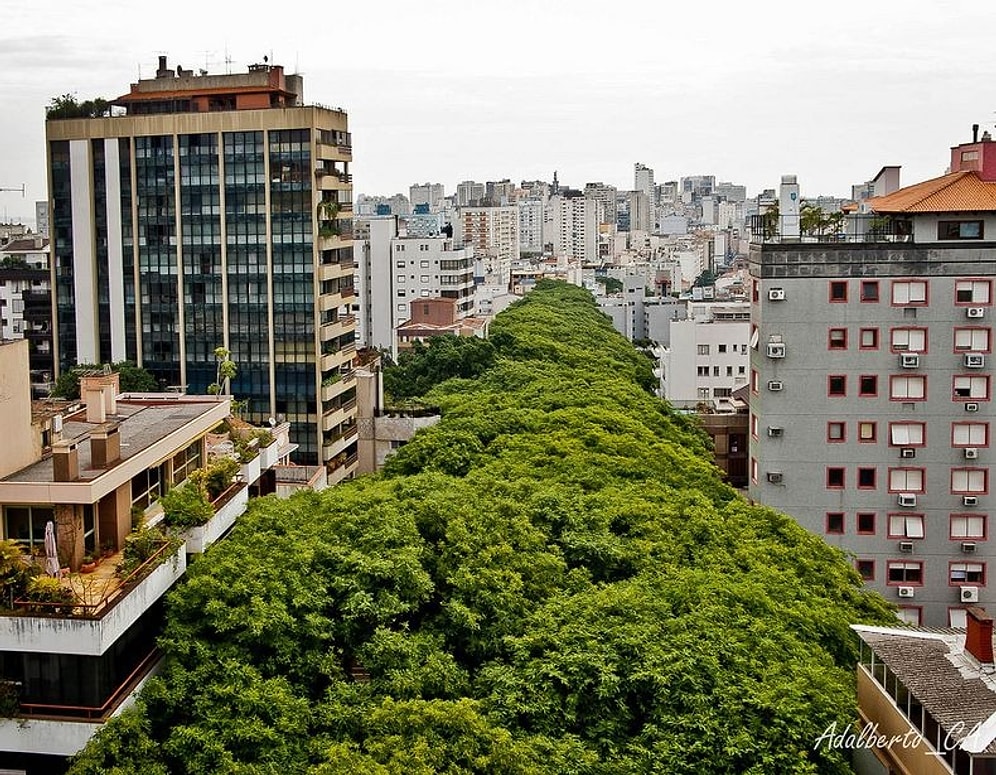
<point x="216" y="476"/>
<point x="16" y="571"/>
<point x="553" y="579"/>
<point x="612" y="284"/>
<point x="224" y="373"/>
<point x="445" y="357"/>
<point x="49" y="590"/>
<point x="704" y="280"/>
<point x="139" y="548"/>
<point x="15" y="262"/>
<point x="133" y="379"/>
<point x="66" y="106"/>
<point x="186" y="506"/>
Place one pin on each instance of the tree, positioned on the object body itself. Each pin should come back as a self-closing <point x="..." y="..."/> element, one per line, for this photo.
<point x="612" y="284"/>
<point x="66" y="106"/>
<point x="552" y="579"/>
<point x="224" y="374"/>
<point x="133" y="379"/>
<point x="445" y="357"/>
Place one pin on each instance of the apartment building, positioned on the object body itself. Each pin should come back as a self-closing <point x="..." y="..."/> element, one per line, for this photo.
<point x="572" y="228"/>
<point x="493" y="233"/>
<point x="207" y="211"/>
<point x="429" y="194"/>
<point x="871" y="384"/>
<point x="26" y="304"/>
<point x="78" y="475"/>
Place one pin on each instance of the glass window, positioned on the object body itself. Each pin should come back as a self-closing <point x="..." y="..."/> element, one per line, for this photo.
<point x="867" y="431"/>
<point x="906" y="526"/>
<point x="906" y="480"/>
<point x="970" y="434"/>
<point x="866" y="523"/>
<point x="960" y="230"/>
<point x="972" y="339"/>
<point x="909" y="292"/>
<point x="869" y="290"/>
<point x="972" y="291"/>
<point x="913" y="340"/>
<point x="835" y="523"/>
<point x="906" y="434"/>
<point x="905" y="572"/>
<point x="968" y="526"/>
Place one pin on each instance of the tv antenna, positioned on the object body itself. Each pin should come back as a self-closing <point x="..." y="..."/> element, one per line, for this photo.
<point x="7" y="188"/>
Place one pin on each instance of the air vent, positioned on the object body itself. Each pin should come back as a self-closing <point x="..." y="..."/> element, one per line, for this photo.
<point x="907" y="499"/>
<point x="968" y="547"/>
<point x="775" y="432"/>
<point x="775" y="477"/>
<point x="906" y="547"/>
<point x="974" y="361"/>
<point x="971" y="406"/>
<point x="970" y="500"/>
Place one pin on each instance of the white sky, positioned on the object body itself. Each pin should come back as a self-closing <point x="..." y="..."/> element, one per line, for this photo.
<point x="448" y="90"/>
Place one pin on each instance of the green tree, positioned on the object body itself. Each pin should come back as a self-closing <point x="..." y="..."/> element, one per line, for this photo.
<point x="67" y="106"/>
<point x="445" y="357"/>
<point x="133" y="379"/>
<point x="224" y="373"/>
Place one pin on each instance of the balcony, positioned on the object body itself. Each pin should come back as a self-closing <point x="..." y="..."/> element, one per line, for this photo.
<point x="333" y="387"/>
<point x="835" y="228"/>
<point x="105" y="608"/>
<point x="337" y="415"/>
<point x="228" y="507"/>
<point x="336" y="328"/>
<point x="338" y="444"/>
<point x="342" y="467"/>
<point x="334" y="152"/>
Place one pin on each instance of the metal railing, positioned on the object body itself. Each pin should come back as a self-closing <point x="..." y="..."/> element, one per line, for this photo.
<point x="770" y="228"/>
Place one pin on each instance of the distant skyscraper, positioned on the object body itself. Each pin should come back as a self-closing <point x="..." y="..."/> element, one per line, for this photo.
<point x="430" y="194"/>
<point x="643" y="180"/>
<point x="470" y="194"/>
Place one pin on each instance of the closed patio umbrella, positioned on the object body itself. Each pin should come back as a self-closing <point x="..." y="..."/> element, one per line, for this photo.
<point x="51" y="551"/>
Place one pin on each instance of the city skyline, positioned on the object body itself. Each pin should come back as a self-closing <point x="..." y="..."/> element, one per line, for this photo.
<point x="724" y="91"/>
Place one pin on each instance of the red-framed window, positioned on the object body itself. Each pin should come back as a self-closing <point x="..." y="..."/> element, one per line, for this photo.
<point x="836" y="432"/>
<point x="838" y="291"/>
<point x="907" y="479"/>
<point x="837" y="385"/>
<point x="868" y="385"/>
<point x="835" y="523"/>
<point x="836" y="478"/>
<point x="969" y="481"/>
<point x="970" y="387"/>
<point x="966" y="572"/>
<point x="864" y="523"/>
<point x="968" y="527"/>
<point x="911" y="614"/>
<point x="868" y="339"/>
<point x="753" y="425"/>
<point x="972" y="339"/>
<point x="907" y="387"/>
<point x="904" y="573"/>
<point x="907" y="433"/>
<point x="753" y="470"/>
<point x="865" y="569"/>
<point x="837" y="339"/>
<point x="867" y="431"/>
<point x="908" y="339"/>
<point x="902" y="525"/>
<point x="973" y="292"/>
<point x="867" y="478"/>
<point x="969" y="434"/>
<point x="755" y="381"/>
<point x="869" y="291"/>
<point x="909" y="293"/>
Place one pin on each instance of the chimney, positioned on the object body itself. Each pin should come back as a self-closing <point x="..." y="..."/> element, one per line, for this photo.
<point x="163" y="71"/>
<point x="105" y="445"/>
<point x="979" y="635"/>
<point x="975" y="133"/>
<point x="100" y="392"/>
<point x="65" y="461"/>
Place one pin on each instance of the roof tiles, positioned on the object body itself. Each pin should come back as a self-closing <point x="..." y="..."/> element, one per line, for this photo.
<point x="956" y="192"/>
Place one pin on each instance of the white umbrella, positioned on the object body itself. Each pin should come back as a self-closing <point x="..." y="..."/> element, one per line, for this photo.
<point x="51" y="551"/>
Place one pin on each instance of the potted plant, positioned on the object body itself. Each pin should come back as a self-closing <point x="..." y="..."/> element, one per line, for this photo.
<point x="90" y="563"/>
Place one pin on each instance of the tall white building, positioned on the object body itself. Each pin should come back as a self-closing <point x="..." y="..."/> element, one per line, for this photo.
<point x="531" y="219"/>
<point x="493" y="233"/>
<point x="573" y="228"/>
<point x="430" y="194"/>
<point x="469" y="193"/>
<point x="643" y="180"/>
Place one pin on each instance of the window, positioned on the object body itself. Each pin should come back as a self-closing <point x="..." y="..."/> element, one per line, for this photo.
<point x="971" y="387"/>
<point x="835" y="478"/>
<point x="967" y="573"/>
<point x="703" y="349"/>
<point x="722" y="348"/>
<point x="399" y="264"/>
<point x="423" y="264"/>
<point x="838" y="290"/>
<point x="753" y="469"/>
<point x="836" y="431"/>
<point x="904" y="572"/>
<point x="866" y="523"/>
<point x="972" y="292"/>
<point x="911" y="340"/>
<point x="715" y="371"/>
<point x="905" y="480"/>
<point x="910" y="615"/>
<point x="908" y="387"/>
<point x="906" y="526"/>
<point x="866" y="478"/>
<point x="836" y="385"/>
<point x="868" y="385"/>
<point x="702" y="371"/>
<point x="968" y="526"/>
<point x="957" y="618"/>
<point x="969" y="480"/>
<point x="835" y="523"/>
<point x="866" y="569"/>
<point x="971" y="339"/>
<point x="906" y="292"/>
<point x="960" y="230"/>
<point x="753" y="425"/>
<point x="907" y="434"/>
<point x="423" y="278"/>
<point x="754" y="380"/>
<point x="869" y="339"/>
<point x="867" y="431"/>
<point x="970" y="434"/>
<point x="838" y="339"/>
<point x="27" y="524"/>
<point x="869" y="290"/>
<point x="400" y="279"/>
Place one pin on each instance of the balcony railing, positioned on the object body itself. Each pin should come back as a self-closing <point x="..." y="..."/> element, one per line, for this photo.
<point x="843" y="229"/>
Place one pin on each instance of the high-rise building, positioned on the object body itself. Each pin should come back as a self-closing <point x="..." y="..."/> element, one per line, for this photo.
<point x="493" y="233"/>
<point x="871" y="384"/>
<point x="26" y="304"/>
<point x="215" y="212"/>
<point x="470" y="194"/>
<point x="573" y="228"/>
<point x="431" y="194"/>
<point x="643" y="180"/>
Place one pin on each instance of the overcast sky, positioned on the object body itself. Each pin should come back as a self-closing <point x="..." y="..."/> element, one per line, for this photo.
<point x="444" y="91"/>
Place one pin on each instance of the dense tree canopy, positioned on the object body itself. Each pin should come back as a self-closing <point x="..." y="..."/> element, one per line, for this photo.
<point x="553" y="579"/>
<point x="424" y="366"/>
<point x="134" y="379"/>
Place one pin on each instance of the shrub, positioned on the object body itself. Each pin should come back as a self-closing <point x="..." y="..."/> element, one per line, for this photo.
<point x="16" y="570"/>
<point x="216" y="477"/>
<point x="45" y="589"/>
<point x="186" y="506"/>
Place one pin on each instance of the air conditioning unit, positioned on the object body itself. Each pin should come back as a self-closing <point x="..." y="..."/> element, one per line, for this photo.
<point x="970" y="594"/>
<point x="970" y="500"/>
<point x="775" y="432"/>
<point x="968" y="547"/>
<point x="971" y="453"/>
<point x="906" y="547"/>
<point x="776" y="294"/>
<point x="906" y="499"/>
<point x="975" y="360"/>
<point x="774" y="385"/>
<point x="907" y="452"/>
<point x="905" y="591"/>
<point x="971" y="406"/>
<point x="909" y="360"/>
<point x="975" y="312"/>
<point x="775" y="477"/>
<point x="776" y="350"/>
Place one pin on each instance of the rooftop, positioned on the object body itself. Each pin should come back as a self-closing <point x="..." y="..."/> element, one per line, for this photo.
<point x="950" y="684"/>
<point x="962" y="191"/>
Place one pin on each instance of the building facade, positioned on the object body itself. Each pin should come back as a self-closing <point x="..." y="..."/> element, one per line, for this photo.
<point x="215" y="212"/>
<point x="871" y="385"/>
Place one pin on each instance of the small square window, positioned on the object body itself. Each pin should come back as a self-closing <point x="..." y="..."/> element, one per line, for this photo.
<point x="866" y="478"/>
<point x="869" y="338"/>
<point x="868" y="385"/>
<point x="838" y="290"/>
<point x="869" y="290"/>
<point x="835" y="523"/>
<point x="835" y="478"/>
<point x="836" y="431"/>
<point x="836" y="385"/>
<point x="866" y="569"/>
<point x="866" y="523"/>
<point x="838" y="339"/>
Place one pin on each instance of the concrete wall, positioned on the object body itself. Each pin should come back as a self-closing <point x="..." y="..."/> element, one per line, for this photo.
<point x="17" y="451"/>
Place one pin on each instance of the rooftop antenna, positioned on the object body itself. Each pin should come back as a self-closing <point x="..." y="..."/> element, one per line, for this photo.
<point x="228" y="61"/>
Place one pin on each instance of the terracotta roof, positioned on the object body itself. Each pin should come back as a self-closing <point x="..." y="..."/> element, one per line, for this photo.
<point x="956" y="192"/>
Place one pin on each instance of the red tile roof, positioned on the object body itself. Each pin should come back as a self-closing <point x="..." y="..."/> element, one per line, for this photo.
<point x="956" y="192"/>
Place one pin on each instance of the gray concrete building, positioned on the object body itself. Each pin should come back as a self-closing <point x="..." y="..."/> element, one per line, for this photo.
<point x="871" y="385"/>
